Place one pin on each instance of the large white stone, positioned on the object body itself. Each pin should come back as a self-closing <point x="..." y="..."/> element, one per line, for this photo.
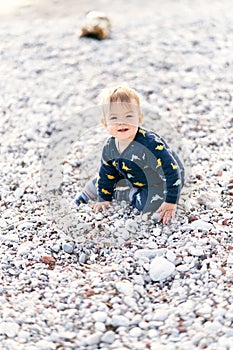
<point x="160" y="269"/>
<point x="201" y="225"/>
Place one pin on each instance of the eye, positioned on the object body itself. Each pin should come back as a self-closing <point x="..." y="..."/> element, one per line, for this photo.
<point x="112" y="118"/>
<point x="129" y="116"/>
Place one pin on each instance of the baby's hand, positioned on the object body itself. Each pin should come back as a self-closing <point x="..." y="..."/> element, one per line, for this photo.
<point x="167" y="212"/>
<point x="101" y="205"/>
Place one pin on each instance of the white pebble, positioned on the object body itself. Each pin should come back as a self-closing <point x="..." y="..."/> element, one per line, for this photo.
<point x="171" y="256"/>
<point x="45" y="345"/>
<point x="108" y="337"/>
<point x="135" y="332"/>
<point x="11" y="329"/>
<point x="100" y="326"/>
<point x="100" y="316"/>
<point x="147" y="253"/>
<point x="204" y="310"/>
<point x="120" y="321"/>
<point x="160" y="269"/>
<point x="94" y="338"/>
<point x="25" y="248"/>
<point x="99" y="216"/>
<point x="125" y="287"/>
<point x="138" y="279"/>
<point x="194" y="251"/>
<point x="201" y="225"/>
<point x="11" y="237"/>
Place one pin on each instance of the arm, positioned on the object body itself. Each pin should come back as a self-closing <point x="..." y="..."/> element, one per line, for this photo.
<point x="107" y="179"/>
<point x="165" y="164"/>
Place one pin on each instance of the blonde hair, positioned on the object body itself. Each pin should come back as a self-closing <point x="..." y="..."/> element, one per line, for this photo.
<point x="118" y="94"/>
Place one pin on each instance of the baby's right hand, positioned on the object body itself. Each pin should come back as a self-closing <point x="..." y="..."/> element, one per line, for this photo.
<point x="101" y="205"/>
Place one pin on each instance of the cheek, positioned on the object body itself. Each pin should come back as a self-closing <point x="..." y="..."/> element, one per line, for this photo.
<point x="111" y="128"/>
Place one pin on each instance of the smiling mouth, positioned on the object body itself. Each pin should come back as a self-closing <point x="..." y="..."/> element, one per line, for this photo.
<point x="122" y="129"/>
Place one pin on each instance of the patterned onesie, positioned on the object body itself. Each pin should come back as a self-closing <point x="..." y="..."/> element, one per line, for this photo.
<point x="153" y="170"/>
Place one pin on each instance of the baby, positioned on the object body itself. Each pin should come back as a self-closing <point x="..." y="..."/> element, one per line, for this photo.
<point x="138" y="156"/>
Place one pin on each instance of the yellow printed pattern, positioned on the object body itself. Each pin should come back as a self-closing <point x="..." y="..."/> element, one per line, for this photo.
<point x="159" y="147"/>
<point x="110" y="177"/>
<point x="159" y="163"/>
<point x="174" y="166"/>
<point x="124" y="167"/>
<point x="143" y="132"/>
<point x="114" y="163"/>
<point x="105" y="191"/>
<point x="138" y="184"/>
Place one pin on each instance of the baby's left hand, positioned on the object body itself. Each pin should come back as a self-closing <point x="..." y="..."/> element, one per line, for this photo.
<point x="167" y="212"/>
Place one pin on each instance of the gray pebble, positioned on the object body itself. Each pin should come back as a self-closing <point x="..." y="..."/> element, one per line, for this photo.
<point x="68" y="247"/>
<point x="82" y="258"/>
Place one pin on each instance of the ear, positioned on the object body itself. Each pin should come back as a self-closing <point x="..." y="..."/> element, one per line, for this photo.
<point x="141" y="118"/>
<point x="103" y="121"/>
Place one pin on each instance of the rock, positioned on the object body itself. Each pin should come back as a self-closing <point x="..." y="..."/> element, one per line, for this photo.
<point x="96" y="25"/>
<point x="160" y="269"/>
<point x="138" y="279"/>
<point x="11" y="237"/>
<point x="131" y="226"/>
<point x="152" y="334"/>
<point x="135" y="332"/>
<point x="10" y="329"/>
<point x="68" y="247"/>
<point x="48" y="259"/>
<point x="196" y="251"/>
<point x="99" y="216"/>
<point x="204" y="310"/>
<point x="161" y="315"/>
<point x="100" y="316"/>
<point x="201" y="225"/>
<point x="171" y="256"/>
<point x="82" y="258"/>
<point x="148" y="253"/>
<point x="45" y="345"/>
<point x="25" y="248"/>
<point x="3" y="223"/>
<point x="183" y="268"/>
<point x="100" y="326"/>
<point x="230" y="259"/>
<point x="120" y="321"/>
<point x="152" y="245"/>
<point x="108" y="337"/>
<point x="131" y="302"/>
<point x="125" y="287"/>
<point x="56" y="248"/>
<point x="93" y="339"/>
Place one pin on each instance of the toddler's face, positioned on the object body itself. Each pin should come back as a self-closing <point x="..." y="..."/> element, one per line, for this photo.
<point x="122" y="119"/>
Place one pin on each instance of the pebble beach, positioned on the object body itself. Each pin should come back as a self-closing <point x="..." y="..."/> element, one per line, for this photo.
<point x="73" y="279"/>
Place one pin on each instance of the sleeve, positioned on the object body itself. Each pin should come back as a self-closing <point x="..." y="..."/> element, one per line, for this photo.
<point x="107" y="179"/>
<point x="164" y="163"/>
